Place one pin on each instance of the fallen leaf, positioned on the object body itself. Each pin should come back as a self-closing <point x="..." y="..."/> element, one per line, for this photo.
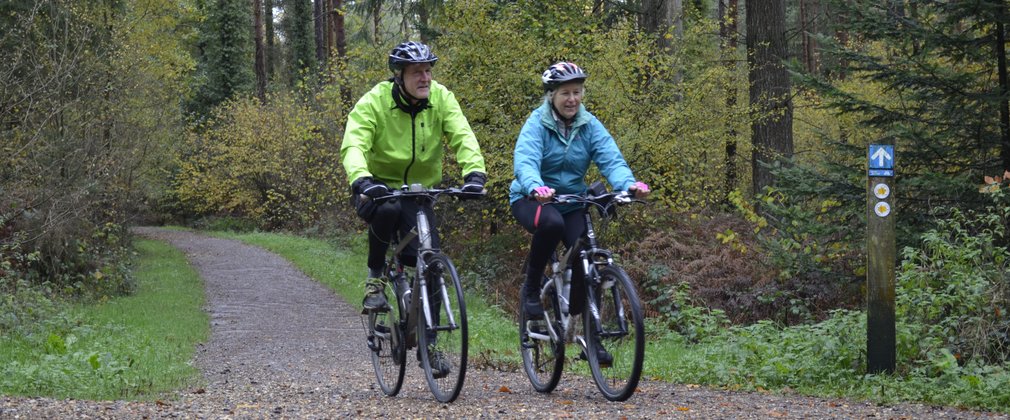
<point x="504" y="389"/>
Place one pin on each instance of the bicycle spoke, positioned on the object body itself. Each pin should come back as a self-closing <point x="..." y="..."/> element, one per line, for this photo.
<point x="618" y="335"/>
<point x="387" y="349"/>
<point x="443" y="344"/>
<point x="543" y="359"/>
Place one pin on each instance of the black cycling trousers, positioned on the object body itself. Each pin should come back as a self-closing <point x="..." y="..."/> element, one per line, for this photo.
<point x="549" y="227"/>
<point x="399" y="217"/>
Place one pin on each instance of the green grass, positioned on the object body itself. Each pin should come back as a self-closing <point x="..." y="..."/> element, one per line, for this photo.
<point x="134" y="347"/>
<point x="824" y="359"/>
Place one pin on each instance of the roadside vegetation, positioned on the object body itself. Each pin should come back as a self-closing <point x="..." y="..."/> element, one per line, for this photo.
<point x="696" y="345"/>
<point x="139" y="346"/>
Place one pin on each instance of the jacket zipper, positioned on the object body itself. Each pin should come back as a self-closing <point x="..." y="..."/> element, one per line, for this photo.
<point x="413" y="146"/>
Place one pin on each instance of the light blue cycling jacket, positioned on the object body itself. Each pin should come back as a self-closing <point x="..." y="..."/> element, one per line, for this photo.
<point x="543" y="156"/>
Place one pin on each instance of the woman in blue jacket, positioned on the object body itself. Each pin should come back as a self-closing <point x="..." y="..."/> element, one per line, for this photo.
<point x="553" y="152"/>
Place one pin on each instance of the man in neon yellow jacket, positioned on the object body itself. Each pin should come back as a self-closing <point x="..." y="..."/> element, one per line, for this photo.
<point x="394" y="137"/>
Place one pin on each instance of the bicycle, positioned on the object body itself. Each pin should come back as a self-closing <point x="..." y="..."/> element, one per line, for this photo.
<point x="428" y="312"/>
<point x="612" y="315"/>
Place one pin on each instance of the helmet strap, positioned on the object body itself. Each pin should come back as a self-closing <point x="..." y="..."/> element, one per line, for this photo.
<point x="404" y="100"/>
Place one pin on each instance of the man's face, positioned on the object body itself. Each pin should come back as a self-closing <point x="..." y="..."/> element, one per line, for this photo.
<point x="417" y="79"/>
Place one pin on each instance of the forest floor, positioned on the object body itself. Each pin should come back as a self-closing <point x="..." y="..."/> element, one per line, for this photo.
<point x="284" y="346"/>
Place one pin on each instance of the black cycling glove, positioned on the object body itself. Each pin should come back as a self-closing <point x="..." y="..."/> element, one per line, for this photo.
<point x="474" y="182"/>
<point x="370" y="187"/>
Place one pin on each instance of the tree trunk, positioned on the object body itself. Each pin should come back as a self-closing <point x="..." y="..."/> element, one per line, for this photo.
<point x="1004" y="105"/>
<point x="376" y="21"/>
<point x="319" y="17"/>
<point x="338" y="36"/>
<point x="657" y="16"/>
<point x="339" y="32"/>
<point x="260" y="65"/>
<point x="808" y="29"/>
<point x="728" y="18"/>
<point x="840" y="21"/>
<point x="772" y="119"/>
<point x="422" y="22"/>
<point x="270" y="60"/>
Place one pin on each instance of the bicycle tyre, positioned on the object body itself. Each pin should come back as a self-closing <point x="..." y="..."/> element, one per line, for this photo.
<point x="387" y="349"/>
<point x="543" y="359"/>
<point x="451" y="341"/>
<point x="625" y="341"/>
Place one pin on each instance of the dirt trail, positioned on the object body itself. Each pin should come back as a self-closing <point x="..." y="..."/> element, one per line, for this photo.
<point x="283" y="346"/>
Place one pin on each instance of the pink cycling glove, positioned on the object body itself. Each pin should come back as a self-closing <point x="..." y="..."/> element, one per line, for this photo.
<point x="543" y="191"/>
<point x="640" y="186"/>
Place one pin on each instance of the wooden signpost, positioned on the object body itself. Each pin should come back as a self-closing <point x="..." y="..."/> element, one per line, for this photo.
<point x="880" y="255"/>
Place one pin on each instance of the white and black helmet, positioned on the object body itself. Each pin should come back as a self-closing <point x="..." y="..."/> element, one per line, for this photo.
<point x="408" y="53"/>
<point x="560" y="73"/>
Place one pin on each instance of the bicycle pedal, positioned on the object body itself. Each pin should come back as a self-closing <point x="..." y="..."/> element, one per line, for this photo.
<point x="382" y="310"/>
<point x="372" y="345"/>
<point x="536" y="326"/>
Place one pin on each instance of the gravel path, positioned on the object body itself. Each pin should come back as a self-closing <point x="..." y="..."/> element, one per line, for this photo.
<point x="283" y="346"/>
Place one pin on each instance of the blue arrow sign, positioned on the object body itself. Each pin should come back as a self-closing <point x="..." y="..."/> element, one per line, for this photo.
<point x="881" y="156"/>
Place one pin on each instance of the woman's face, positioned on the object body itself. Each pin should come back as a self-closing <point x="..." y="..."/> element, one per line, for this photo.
<point x="567" y="99"/>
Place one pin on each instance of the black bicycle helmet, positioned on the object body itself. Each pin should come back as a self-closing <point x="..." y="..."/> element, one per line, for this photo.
<point x="560" y="73"/>
<point x="410" y="52"/>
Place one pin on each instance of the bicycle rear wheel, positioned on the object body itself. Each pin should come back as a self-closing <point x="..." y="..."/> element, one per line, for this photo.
<point x="620" y="333"/>
<point x="543" y="357"/>
<point x="443" y="343"/>
<point x="387" y="348"/>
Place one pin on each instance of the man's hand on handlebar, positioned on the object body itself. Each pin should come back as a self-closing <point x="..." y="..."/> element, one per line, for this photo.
<point x="474" y="182"/>
<point x="370" y="187"/>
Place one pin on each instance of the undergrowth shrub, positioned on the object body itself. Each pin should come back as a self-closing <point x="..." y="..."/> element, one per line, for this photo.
<point x="62" y="264"/>
<point x="684" y="253"/>
<point x="954" y="288"/>
<point x="268" y="163"/>
<point x="810" y="228"/>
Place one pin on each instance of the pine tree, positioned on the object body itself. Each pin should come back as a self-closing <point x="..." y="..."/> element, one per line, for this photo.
<point x="298" y="27"/>
<point x="226" y="56"/>
<point x="944" y="102"/>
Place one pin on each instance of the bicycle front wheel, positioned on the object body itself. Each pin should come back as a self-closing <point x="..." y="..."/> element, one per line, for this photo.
<point x="543" y="357"/>
<point x="386" y="346"/>
<point x="616" y="340"/>
<point x="442" y="338"/>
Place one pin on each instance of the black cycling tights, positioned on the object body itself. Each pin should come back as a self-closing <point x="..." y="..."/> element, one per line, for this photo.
<point x="549" y="227"/>
<point x="390" y="217"/>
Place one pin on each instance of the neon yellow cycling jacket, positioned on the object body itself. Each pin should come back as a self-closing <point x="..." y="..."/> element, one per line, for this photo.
<point x="391" y="145"/>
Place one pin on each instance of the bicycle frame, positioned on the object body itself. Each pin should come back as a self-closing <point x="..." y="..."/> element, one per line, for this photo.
<point x="612" y="340"/>
<point x="419" y="288"/>
<point x="438" y="329"/>
<point x="592" y="257"/>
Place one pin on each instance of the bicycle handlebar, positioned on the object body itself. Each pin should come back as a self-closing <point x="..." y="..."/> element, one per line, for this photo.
<point x="604" y="202"/>
<point x="418" y="191"/>
<point x="620" y="197"/>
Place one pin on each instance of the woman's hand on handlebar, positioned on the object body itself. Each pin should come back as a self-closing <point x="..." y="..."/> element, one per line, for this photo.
<point x="543" y="194"/>
<point x="639" y="189"/>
